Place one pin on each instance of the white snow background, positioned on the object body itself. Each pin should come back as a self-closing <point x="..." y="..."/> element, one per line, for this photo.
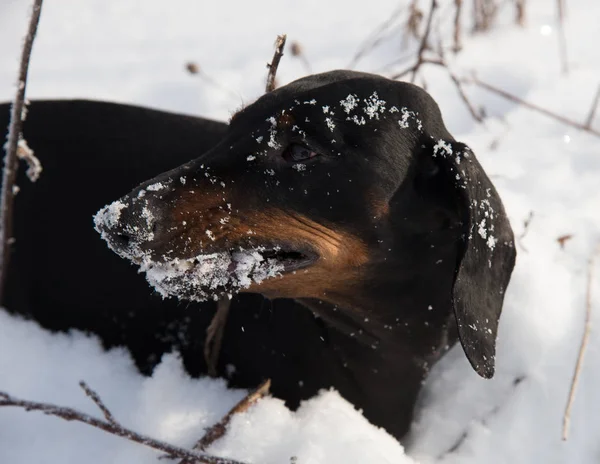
<point x="134" y="52"/>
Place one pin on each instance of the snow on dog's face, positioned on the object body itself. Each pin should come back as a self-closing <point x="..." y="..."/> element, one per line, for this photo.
<point x="343" y="187"/>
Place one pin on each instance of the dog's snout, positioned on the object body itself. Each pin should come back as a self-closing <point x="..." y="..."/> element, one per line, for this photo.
<point x="129" y="224"/>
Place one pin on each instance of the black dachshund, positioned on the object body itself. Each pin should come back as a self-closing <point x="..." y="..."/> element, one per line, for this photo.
<point x="341" y="197"/>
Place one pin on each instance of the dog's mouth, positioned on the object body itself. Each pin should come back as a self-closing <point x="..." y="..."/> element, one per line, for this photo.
<point x="211" y="276"/>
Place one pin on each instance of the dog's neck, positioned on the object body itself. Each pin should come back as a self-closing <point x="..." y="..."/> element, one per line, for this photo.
<point x="405" y="295"/>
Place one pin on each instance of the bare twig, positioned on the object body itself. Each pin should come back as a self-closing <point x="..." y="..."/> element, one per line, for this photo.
<point x="98" y="401"/>
<point x="195" y="69"/>
<point x="14" y="135"/>
<point x="526" y="224"/>
<point x="375" y="37"/>
<point x="520" y="16"/>
<point x="297" y="51"/>
<point x="424" y="40"/>
<point x="457" y="82"/>
<point x="562" y="38"/>
<point x="563" y="239"/>
<point x="474" y="113"/>
<point x="584" y="342"/>
<point x="457" y="29"/>
<point x="214" y="335"/>
<point x="592" y="115"/>
<point x="274" y="64"/>
<point x="531" y="106"/>
<point x="218" y="430"/>
<point x="113" y="428"/>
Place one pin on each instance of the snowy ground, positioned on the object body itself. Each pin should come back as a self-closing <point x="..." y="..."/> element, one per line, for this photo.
<point x="135" y="52"/>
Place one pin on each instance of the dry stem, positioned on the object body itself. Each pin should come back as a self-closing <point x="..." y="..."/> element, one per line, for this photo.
<point x="218" y="430"/>
<point x="457" y="29"/>
<point x="15" y="129"/>
<point x="457" y="82"/>
<point x="111" y="426"/>
<point x="214" y="335"/>
<point x="424" y="41"/>
<point x="590" y="118"/>
<point x="583" y="346"/>
<point x="562" y="38"/>
<point x="531" y="106"/>
<point x="274" y="64"/>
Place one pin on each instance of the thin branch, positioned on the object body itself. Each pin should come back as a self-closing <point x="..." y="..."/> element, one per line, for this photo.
<point x="520" y="17"/>
<point x="592" y="115"/>
<point x="562" y="38"/>
<point x="461" y="92"/>
<point x="424" y="40"/>
<point x="531" y="106"/>
<point x="375" y="37"/>
<point x="457" y="29"/>
<point x="298" y="52"/>
<point x="215" y="432"/>
<point x="583" y="346"/>
<point x="15" y="129"/>
<point x="214" y="335"/>
<point x="279" y="46"/>
<point x="70" y="414"/>
<point x="457" y="82"/>
<point x="98" y="401"/>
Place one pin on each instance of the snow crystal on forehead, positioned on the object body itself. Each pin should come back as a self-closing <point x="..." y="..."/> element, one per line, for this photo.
<point x="349" y="103"/>
<point x="373" y="106"/>
<point x="273" y="133"/>
<point x="407" y="116"/>
<point x="330" y="124"/>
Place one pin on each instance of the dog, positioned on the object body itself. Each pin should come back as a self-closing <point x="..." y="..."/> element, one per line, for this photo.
<point x="377" y="239"/>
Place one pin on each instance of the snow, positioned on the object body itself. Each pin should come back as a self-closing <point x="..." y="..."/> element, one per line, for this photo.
<point x="536" y="163"/>
<point x="199" y="277"/>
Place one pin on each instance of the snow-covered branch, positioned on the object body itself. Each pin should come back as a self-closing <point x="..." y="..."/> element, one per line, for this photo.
<point x="9" y="172"/>
<point x="110" y="425"/>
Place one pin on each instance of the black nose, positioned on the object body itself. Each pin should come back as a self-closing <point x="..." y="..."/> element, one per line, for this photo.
<point x="129" y="224"/>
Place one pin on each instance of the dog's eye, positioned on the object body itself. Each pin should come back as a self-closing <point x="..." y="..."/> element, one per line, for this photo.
<point x="297" y="153"/>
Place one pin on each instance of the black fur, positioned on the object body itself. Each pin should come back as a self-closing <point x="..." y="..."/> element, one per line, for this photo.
<point x="430" y="270"/>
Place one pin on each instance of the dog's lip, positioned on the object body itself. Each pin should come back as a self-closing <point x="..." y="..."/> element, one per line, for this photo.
<point x="291" y="258"/>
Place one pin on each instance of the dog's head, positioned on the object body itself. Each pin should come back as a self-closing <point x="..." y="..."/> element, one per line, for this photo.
<point x="317" y="187"/>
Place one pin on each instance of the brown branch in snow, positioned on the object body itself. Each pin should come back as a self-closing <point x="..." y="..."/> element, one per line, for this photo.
<point x="98" y="401"/>
<point x="520" y="17"/>
<point x="274" y="64"/>
<point x="584" y="341"/>
<point x="457" y="82"/>
<point x="531" y="106"/>
<point x="195" y="69"/>
<point x="526" y="223"/>
<point x="375" y="37"/>
<point x="297" y="51"/>
<point x="112" y="427"/>
<point x="592" y="115"/>
<point x="563" y="239"/>
<point x="215" y="432"/>
<point x="424" y="41"/>
<point x="214" y="335"/>
<point x="457" y="29"/>
<point x="15" y="129"/>
<point x="562" y="38"/>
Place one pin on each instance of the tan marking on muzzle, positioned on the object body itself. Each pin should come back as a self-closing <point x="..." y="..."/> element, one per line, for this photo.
<point x="341" y="253"/>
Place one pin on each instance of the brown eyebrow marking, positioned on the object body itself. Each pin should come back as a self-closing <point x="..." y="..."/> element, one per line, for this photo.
<point x="285" y="120"/>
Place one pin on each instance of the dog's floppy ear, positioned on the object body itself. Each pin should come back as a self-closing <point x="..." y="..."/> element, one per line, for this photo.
<point x="486" y="254"/>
